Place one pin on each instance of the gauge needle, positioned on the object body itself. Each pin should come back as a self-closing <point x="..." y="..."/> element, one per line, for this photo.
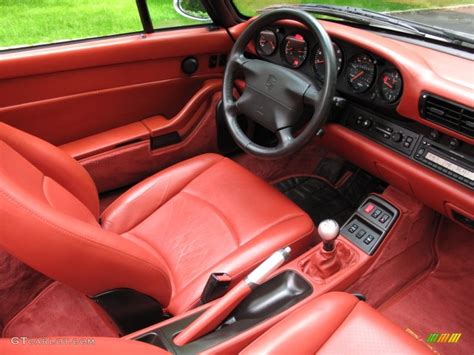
<point x="319" y="61"/>
<point x="385" y="81"/>
<point x="358" y="75"/>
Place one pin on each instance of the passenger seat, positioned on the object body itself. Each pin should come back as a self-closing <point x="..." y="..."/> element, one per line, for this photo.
<point x="336" y="323"/>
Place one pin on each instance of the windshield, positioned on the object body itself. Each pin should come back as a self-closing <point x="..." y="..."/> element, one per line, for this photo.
<point x="455" y="15"/>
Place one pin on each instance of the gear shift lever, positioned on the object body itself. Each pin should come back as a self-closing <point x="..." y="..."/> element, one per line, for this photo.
<point x="328" y="231"/>
<point x="325" y="261"/>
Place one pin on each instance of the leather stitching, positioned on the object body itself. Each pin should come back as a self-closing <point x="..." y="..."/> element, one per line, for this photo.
<point x="219" y="213"/>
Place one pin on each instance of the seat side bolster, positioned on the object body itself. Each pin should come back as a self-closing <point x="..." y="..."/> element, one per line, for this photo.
<point x="55" y="163"/>
<point x="367" y="331"/>
<point x="308" y="328"/>
<point x="79" y="254"/>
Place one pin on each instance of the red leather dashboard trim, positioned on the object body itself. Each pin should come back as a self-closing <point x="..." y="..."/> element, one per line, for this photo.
<point x="431" y="188"/>
<point x="422" y="69"/>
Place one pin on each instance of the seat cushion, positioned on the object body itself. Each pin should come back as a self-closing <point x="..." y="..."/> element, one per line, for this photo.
<point x="336" y="323"/>
<point x="205" y="215"/>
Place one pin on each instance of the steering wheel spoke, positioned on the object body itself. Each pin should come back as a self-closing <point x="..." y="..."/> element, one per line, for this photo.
<point x="239" y="61"/>
<point x="285" y="136"/>
<point x="312" y="96"/>
<point x="233" y="108"/>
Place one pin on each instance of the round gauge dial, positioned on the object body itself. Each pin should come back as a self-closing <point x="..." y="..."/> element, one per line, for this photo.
<point x="266" y="42"/>
<point x="391" y="85"/>
<point x="296" y="50"/>
<point x="319" y="60"/>
<point x="361" y="73"/>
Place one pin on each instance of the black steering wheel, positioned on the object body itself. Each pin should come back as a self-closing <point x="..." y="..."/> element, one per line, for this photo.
<point x="274" y="96"/>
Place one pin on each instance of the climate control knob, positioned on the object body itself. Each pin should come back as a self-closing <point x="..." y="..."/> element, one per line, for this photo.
<point x="397" y="137"/>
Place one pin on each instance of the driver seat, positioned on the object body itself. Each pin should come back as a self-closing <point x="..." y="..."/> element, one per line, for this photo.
<point x="163" y="237"/>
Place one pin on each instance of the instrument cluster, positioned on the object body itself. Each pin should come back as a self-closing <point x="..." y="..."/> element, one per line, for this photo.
<point x="361" y="74"/>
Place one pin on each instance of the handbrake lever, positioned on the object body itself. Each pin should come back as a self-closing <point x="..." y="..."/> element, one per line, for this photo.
<point x="216" y="314"/>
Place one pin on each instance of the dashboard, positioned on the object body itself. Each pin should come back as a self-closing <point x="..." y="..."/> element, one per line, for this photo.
<point x="362" y="75"/>
<point x="413" y="100"/>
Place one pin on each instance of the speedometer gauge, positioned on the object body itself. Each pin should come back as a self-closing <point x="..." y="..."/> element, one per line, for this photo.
<point x="296" y="50"/>
<point x="391" y="85"/>
<point x="266" y="42"/>
<point x="361" y="73"/>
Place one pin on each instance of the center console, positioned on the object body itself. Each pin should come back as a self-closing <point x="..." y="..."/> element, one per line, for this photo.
<point x="334" y="264"/>
<point x="273" y="297"/>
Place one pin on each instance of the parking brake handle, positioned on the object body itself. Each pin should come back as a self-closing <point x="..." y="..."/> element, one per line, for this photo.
<point x="216" y="314"/>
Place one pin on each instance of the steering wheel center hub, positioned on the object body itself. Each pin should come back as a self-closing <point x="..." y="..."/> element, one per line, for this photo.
<point x="276" y="101"/>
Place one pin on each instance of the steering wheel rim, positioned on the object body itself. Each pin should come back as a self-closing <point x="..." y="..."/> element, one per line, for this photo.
<point x="278" y="91"/>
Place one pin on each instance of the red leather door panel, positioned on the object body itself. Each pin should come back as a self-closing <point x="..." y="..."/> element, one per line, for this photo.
<point x="64" y="93"/>
<point x="103" y="100"/>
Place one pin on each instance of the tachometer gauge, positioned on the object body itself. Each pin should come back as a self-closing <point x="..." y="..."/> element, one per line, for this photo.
<point x="296" y="50"/>
<point x="391" y="85"/>
<point x="266" y="42"/>
<point x="361" y="73"/>
<point x="319" y="60"/>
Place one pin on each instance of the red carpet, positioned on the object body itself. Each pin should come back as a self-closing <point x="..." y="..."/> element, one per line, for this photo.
<point x="60" y="311"/>
<point x="443" y="300"/>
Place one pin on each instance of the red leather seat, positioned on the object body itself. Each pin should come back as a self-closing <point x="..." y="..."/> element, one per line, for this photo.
<point x="163" y="237"/>
<point x="336" y="323"/>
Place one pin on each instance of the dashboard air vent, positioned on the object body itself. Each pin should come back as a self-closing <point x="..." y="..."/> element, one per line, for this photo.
<point x="448" y="114"/>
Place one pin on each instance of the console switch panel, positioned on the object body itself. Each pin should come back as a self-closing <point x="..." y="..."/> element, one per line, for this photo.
<point x="370" y="223"/>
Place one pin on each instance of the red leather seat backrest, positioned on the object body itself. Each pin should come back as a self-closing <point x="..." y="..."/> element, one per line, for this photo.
<point x="48" y="219"/>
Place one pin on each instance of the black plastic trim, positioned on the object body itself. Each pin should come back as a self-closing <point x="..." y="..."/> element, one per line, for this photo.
<point x="222" y="12"/>
<point x="165" y="140"/>
<point x="145" y="18"/>
<point x="130" y="309"/>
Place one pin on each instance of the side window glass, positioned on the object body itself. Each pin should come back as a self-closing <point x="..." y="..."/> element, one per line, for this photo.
<point x="25" y="22"/>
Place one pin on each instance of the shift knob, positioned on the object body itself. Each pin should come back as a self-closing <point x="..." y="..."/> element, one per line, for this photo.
<point x="328" y="230"/>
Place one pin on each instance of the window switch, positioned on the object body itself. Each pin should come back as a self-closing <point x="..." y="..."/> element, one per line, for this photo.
<point x="353" y="228"/>
<point x="376" y="213"/>
<point x="384" y="218"/>
<point x="360" y="234"/>
<point x="369" y="239"/>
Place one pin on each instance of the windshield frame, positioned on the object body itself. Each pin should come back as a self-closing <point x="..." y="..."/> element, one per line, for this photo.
<point x="392" y="31"/>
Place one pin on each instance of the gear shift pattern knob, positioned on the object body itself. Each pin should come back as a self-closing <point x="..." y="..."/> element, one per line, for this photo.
<point x="328" y="230"/>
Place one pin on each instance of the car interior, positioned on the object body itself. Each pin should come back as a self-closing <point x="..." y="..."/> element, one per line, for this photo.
<point x="278" y="184"/>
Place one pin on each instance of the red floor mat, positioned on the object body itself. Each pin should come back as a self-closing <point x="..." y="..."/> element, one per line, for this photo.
<point x="443" y="300"/>
<point x="60" y="311"/>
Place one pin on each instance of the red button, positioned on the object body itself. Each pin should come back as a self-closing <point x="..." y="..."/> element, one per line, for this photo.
<point x="369" y="208"/>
